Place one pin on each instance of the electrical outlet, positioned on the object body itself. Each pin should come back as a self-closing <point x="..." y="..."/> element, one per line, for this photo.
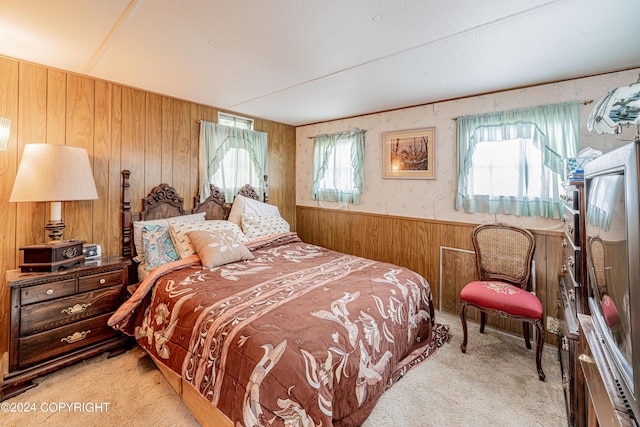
<point x="553" y="325"/>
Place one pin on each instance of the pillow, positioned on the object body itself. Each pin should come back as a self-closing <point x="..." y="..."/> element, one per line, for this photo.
<point x="246" y="205"/>
<point x="256" y="226"/>
<point x="138" y="225"/>
<point x="158" y="247"/>
<point x="237" y="209"/>
<point x="142" y="271"/>
<point x="180" y="238"/>
<point x="218" y="247"/>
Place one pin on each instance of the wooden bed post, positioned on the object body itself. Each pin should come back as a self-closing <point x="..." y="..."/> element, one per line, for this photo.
<point x="266" y="189"/>
<point x="126" y="215"/>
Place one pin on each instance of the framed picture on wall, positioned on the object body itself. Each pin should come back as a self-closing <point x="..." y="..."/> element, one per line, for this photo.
<point x="409" y="154"/>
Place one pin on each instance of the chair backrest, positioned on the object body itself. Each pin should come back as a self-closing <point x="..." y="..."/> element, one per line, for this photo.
<point x="504" y="252"/>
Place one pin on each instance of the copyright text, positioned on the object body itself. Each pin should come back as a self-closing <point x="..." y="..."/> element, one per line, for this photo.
<point x="54" y="407"/>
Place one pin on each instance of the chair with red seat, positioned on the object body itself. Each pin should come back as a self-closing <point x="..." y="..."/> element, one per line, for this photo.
<point x="504" y="255"/>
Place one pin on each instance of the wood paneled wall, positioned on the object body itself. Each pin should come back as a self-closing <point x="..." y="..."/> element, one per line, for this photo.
<point x="154" y="136"/>
<point x="442" y="252"/>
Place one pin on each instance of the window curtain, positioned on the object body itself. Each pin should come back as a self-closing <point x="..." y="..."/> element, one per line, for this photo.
<point x="604" y="195"/>
<point x="346" y="187"/>
<point x="554" y="130"/>
<point x="229" y="149"/>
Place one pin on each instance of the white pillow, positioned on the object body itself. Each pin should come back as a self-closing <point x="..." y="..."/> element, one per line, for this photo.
<point x="256" y="226"/>
<point x="179" y="233"/>
<point x="139" y="225"/>
<point x="247" y="205"/>
<point x="237" y="209"/>
<point x="256" y="207"/>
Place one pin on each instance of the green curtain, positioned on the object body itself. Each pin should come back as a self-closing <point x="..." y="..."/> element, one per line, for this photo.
<point x="606" y="191"/>
<point x="216" y="144"/>
<point x="326" y="150"/>
<point x="554" y="130"/>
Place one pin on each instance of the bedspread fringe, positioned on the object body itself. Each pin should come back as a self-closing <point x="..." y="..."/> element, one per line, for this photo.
<point x="439" y="336"/>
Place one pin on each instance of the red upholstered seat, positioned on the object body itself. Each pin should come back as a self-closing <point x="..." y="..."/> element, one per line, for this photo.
<point x="610" y="312"/>
<point x="504" y="255"/>
<point x="504" y="297"/>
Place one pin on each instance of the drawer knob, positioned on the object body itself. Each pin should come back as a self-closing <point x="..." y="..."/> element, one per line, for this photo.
<point x="78" y="308"/>
<point x="75" y="337"/>
<point x="49" y="291"/>
<point x="103" y="281"/>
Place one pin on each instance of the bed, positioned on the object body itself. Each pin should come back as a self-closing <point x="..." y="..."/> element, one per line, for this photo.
<point x="281" y="332"/>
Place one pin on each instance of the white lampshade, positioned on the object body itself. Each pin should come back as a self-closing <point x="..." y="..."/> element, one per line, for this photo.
<point x="54" y="173"/>
<point x="619" y="108"/>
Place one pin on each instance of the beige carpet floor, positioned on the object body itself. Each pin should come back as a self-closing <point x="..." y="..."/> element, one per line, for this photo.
<point x="494" y="384"/>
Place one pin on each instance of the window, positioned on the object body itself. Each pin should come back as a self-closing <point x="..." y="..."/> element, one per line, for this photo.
<point x="338" y="167"/>
<point x="498" y="169"/>
<point x="230" y="158"/>
<point x="235" y="121"/>
<point x="513" y="162"/>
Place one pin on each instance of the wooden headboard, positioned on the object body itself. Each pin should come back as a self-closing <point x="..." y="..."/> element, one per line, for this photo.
<point x="163" y="201"/>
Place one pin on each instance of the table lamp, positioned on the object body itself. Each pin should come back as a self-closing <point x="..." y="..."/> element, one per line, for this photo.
<point x="54" y="173"/>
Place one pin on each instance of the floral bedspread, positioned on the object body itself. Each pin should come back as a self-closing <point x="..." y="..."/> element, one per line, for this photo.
<point x="300" y="335"/>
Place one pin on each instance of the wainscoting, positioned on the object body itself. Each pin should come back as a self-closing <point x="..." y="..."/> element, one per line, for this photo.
<point x="440" y="251"/>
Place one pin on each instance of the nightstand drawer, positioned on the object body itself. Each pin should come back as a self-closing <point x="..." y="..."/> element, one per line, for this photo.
<point x="37" y="318"/>
<point x="47" y="291"/>
<point x="47" y="345"/>
<point x="99" y="281"/>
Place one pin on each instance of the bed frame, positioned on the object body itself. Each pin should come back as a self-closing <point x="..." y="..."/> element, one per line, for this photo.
<point x="163" y="201"/>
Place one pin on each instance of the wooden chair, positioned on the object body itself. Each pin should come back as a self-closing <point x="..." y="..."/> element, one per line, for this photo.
<point x="503" y="260"/>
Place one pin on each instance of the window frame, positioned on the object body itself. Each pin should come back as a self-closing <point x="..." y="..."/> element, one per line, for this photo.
<point x="235" y="119"/>
<point x="324" y="149"/>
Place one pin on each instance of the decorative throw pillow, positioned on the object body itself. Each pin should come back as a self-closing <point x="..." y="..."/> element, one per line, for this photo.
<point x="178" y="232"/>
<point x="246" y="205"/>
<point x="138" y="225"/>
<point x="158" y="247"/>
<point x="218" y="247"/>
<point x="237" y="209"/>
<point x="256" y="226"/>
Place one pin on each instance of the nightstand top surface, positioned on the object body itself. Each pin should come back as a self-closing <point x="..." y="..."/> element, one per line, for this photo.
<point x="17" y="278"/>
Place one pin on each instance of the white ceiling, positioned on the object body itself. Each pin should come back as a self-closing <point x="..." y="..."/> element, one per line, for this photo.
<point x="306" y="61"/>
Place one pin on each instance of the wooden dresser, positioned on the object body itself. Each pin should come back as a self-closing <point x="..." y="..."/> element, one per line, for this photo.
<point x="61" y="317"/>
<point x="573" y="299"/>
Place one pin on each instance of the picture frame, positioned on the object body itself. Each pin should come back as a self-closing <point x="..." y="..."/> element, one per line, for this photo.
<point x="409" y="154"/>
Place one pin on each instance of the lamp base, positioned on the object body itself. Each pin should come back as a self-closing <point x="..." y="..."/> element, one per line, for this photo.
<point x="52" y="256"/>
<point x="56" y="229"/>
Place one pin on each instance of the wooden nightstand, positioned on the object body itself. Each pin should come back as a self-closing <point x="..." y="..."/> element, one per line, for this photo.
<point x="60" y="318"/>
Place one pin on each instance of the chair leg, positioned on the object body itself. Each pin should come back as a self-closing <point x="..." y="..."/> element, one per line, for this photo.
<point x="525" y="331"/>
<point x="483" y="321"/>
<point x="539" y="344"/>
<point x="463" y="319"/>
